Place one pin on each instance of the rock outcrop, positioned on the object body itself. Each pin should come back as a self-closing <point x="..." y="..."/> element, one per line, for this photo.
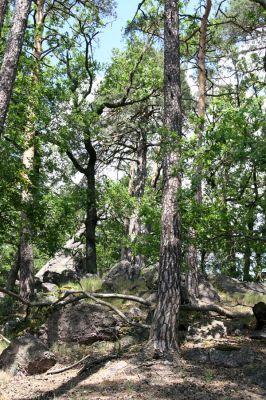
<point x="81" y="323"/>
<point x="66" y="265"/>
<point x="121" y="272"/>
<point x="27" y="355"/>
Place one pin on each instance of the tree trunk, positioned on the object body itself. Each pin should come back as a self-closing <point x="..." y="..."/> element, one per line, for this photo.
<point x="13" y="274"/>
<point x="3" y="8"/>
<point x="192" y="256"/>
<point x="91" y="218"/>
<point x="11" y="56"/>
<point x="164" y="327"/>
<point x="138" y="172"/>
<point x="26" y="264"/>
<point x="26" y="261"/>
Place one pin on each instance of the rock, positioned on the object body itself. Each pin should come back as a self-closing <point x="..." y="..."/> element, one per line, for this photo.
<point x="259" y="310"/>
<point x="11" y="326"/>
<point x="222" y="358"/>
<point x="119" y="273"/>
<point x="57" y="278"/>
<point x="47" y="287"/>
<point x="150" y="275"/>
<point x="232" y="285"/>
<point x="27" y="355"/>
<point x="66" y="265"/>
<point x="257" y="376"/>
<point x="81" y="323"/>
<point x="213" y="330"/>
<point x="207" y="292"/>
<point x="259" y="334"/>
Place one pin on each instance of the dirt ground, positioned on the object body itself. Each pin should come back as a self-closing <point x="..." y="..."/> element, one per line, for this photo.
<point x="125" y="379"/>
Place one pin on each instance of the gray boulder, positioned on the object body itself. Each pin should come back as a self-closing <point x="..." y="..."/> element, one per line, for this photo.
<point x="27" y="355"/>
<point x="121" y="272"/>
<point x="81" y="323"/>
<point x="232" y="285"/>
<point x="207" y="292"/>
<point x="214" y="330"/>
<point x="65" y="265"/>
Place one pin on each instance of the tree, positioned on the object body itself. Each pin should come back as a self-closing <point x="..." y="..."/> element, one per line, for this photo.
<point x="164" y="327"/>
<point x="192" y="256"/>
<point x="11" y="57"/>
<point x="3" y="8"/>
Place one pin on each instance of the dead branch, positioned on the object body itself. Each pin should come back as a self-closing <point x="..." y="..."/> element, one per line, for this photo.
<point x="86" y="366"/>
<point x="4" y="339"/>
<point x="214" y="308"/>
<point x="97" y="296"/>
<point x="117" y="311"/>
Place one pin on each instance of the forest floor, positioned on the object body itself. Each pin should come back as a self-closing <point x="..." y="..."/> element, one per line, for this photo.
<point x="127" y="379"/>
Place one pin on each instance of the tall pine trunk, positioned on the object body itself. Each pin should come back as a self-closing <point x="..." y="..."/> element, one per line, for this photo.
<point x="3" y="8"/>
<point x="193" y="261"/>
<point x="164" y="327"/>
<point x="12" y="52"/>
<point x="26" y="260"/>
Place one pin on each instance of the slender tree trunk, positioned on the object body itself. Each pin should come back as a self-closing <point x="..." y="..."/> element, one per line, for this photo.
<point x="91" y="218"/>
<point x="247" y="254"/>
<point x="192" y="255"/>
<point x="26" y="260"/>
<point x="138" y="172"/>
<point x="13" y="274"/>
<point x="164" y="327"/>
<point x="3" y="8"/>
<point x="11" y="56"/>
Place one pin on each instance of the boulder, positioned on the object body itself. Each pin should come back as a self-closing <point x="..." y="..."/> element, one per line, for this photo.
<point x="47" y="287"/>
<point x="259" y="310"/>
<point x="233" y="285"/>
<point x="66" y="265"/>
<point x="257" y="376"/>
<point x="214" y="330"/>
<point x="207" y="292"/>
<point x="81" y="323"/>
<point x="121" y="272"/>
<point x="222" y="358"/>
<point x="27" y="355"/>
<point x="57" y="278"/>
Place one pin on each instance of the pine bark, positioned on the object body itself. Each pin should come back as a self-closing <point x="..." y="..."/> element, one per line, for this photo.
<point x="192" y="254"/>
<point x="26" y="259"/>
<point x="3" y="8"/>
<point x="163" y="332"/>
<point x="10" y="61"/>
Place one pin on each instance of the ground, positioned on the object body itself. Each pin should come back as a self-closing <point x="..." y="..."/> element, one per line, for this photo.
<point x="127" y="379"/>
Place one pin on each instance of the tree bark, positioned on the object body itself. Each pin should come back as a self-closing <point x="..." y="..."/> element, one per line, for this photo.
<point x="91" y="218"/>
<point x="138" y="172"/>
<point x="163" y="332"/>
<point x="13" y="274"/>
<point x="192" y="255"/>
<point x="26" y="260"/>
<point x="11" y="57"/>
<point x="3" y="8"/>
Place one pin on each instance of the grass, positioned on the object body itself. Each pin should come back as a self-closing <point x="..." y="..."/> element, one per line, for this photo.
<point x="244" y="299"/>
<point x="91" y="285"/>
<point x="3" y="346"/>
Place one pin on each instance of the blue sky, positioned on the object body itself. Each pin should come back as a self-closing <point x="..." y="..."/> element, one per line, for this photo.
<point x="111" y="37"/>
<point x="112" y="34"/>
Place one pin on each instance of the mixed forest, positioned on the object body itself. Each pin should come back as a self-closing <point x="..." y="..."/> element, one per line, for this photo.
<point x="156" y="158"/>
